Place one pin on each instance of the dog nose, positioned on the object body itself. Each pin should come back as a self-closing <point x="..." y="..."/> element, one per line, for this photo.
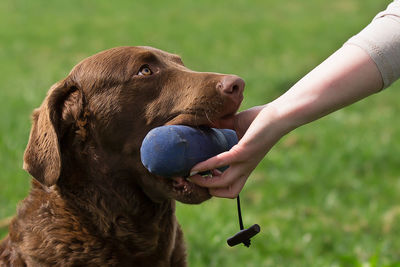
<point x="231" y="86"/>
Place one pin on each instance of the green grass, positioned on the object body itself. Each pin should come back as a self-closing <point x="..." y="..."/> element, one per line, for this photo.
<point x="326" y="195"/>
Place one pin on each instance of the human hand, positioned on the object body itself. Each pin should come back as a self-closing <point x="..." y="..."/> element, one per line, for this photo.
<point x="229" y="183"/>
<point x="243" y="158"/>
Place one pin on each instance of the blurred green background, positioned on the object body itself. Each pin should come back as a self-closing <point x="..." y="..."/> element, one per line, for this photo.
<point x="326" y="195"/>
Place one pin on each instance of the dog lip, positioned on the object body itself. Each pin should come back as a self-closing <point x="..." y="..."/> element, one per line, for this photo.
<point x="222" y="121"/>
<point x="179" y="182"/>
<point x="191" y="121"/>
<point x="184" y="190"/>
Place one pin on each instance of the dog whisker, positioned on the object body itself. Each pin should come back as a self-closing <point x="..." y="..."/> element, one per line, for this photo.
<point x="208" y="118"/>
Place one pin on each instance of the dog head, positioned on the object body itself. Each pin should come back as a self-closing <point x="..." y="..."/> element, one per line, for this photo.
<point x="93" y="121"/>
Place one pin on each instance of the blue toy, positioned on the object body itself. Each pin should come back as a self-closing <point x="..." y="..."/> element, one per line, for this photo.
<point x="173" y="150"/>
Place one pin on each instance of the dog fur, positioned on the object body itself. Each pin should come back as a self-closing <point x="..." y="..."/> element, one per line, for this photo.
<point x="91" y="202"/>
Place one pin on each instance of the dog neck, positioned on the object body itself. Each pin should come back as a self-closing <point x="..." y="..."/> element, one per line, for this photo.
<point x="113" y="201"/>
<point x="109" y="201"/>
<point x="135" y="226"/>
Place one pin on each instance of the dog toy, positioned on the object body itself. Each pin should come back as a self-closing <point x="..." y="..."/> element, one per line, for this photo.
<point x="172" y="151"/>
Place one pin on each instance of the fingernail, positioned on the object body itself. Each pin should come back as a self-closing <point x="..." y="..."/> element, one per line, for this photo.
<point x="193" y="173"/>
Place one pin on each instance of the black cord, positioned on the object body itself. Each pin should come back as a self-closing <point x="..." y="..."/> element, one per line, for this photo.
<point x="239" y="213"/>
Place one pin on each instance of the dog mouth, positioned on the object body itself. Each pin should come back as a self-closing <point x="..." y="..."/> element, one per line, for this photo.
<point x="182" y="185"/>
<point x="184" y="190"/>
<point x="187" y="192"/>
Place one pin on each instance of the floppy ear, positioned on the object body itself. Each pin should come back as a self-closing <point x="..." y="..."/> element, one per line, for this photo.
<point x="42" y="158"/>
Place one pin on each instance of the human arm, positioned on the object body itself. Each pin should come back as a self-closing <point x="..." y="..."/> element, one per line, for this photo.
<point x="367" y="63"/>
<point x="344" y="78"/>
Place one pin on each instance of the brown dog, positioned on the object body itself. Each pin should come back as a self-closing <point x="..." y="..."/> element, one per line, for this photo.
<point x="92" y="203"/>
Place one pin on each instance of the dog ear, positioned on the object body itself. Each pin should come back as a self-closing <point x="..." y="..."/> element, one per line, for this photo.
<point x="42" y="157"/>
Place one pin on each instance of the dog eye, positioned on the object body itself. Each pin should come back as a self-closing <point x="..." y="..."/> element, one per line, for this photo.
<point x="145" y="71"/>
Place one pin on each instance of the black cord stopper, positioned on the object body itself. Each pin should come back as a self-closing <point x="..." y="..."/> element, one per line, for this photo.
<point x="244" y="235"/>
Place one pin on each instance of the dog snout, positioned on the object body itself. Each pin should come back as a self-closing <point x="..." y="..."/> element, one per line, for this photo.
<point x="231" y="86"/>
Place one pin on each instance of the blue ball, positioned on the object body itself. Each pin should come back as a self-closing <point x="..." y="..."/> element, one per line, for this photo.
<point x="173" y="150"/>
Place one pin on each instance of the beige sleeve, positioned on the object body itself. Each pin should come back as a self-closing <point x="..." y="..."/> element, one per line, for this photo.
<point x="381" y="40"/>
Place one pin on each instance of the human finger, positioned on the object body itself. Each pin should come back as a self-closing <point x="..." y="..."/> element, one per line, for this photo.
<point x="231" y="191"/>
<point x="220" y="160"/>
<point x="213" y="179"/>
<point x="221" y="180"/>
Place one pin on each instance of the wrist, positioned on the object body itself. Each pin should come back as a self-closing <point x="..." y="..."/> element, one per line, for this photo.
<point x="278" y="123"/>
<point x="266" y="129"/>
<point x="244" y="119"/>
